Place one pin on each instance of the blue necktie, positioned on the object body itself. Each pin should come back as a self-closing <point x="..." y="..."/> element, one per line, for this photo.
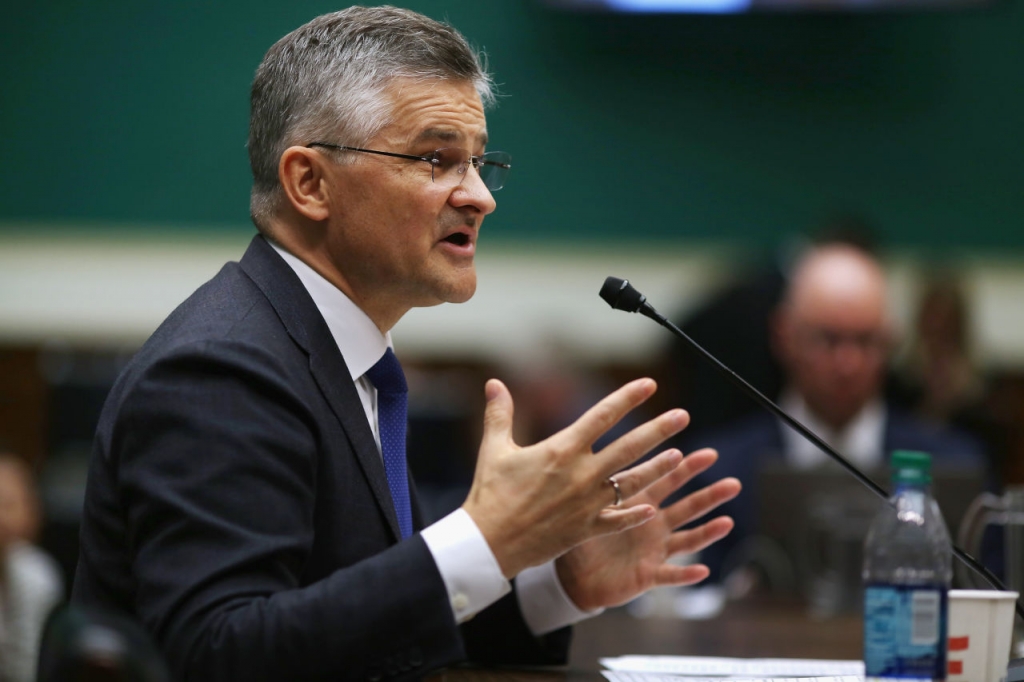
<point x="392" y="412"/>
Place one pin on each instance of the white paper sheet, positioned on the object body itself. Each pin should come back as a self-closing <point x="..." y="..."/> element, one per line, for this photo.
<point x="742" y="668"/>
<point x="612" y="676"/>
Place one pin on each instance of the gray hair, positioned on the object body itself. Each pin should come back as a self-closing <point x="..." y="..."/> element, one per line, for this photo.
<point x="327" y="80"/>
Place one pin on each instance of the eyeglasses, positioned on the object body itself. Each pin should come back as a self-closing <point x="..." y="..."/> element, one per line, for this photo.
<point x="829" y="340"/>
<point x="448" y="166"/>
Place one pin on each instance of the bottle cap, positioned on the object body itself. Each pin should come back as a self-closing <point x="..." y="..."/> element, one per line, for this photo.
<point x="910" y="467"/>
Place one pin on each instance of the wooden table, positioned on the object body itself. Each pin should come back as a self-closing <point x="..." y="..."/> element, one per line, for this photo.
<point x="764" y="628"/>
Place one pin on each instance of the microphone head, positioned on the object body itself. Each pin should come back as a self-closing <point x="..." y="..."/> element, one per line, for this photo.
<point x="621" y="295"/>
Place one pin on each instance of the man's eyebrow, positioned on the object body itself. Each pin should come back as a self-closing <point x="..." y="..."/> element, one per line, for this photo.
<point x="448" y="135"/>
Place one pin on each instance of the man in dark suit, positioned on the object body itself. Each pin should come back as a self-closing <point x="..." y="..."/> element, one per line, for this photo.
<point x="832" y="336"/>
<point x="248" y="500"/>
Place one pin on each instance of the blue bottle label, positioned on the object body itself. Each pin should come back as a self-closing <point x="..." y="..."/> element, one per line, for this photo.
<point x="905" y="631"/>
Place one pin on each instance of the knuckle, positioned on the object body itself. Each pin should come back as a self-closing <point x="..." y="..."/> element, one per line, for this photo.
<point x="690" y="509"/>
<point x="605" y="415"/>
<point x="562" y="449"/>
<point x="627" y="450"/>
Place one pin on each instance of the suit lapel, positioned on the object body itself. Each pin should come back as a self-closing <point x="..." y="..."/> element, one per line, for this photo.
<point x="306" y="326"/>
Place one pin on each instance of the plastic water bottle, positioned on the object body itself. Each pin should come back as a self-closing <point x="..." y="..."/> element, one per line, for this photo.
<point x="907" y="572"/>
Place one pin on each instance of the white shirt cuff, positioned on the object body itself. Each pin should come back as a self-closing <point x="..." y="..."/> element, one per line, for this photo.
<point x="468" y="568"/>
<point x="543" y="601"/>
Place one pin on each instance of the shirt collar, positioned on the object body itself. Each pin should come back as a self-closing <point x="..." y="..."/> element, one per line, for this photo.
<point x="357" y="337"/>
<point x="862" y="441"/>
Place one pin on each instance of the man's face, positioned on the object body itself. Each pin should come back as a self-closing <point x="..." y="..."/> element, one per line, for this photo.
<point x="397" y="239"/>
<point x="834" y="354"/>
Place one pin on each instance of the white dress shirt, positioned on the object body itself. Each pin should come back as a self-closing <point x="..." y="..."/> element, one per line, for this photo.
<point x="862" y="441"/>
<point x="32" y="587"/>
<point x="467" y="565"/>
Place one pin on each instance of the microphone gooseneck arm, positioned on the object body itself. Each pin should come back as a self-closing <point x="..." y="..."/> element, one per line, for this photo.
<point x="621" y="295"/>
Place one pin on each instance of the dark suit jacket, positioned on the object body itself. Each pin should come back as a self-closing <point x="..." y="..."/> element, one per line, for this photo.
<point x="237" y="505"/>
<point x="752" y="442"/>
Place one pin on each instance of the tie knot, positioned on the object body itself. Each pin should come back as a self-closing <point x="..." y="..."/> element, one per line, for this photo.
<point x="387" y="375"/>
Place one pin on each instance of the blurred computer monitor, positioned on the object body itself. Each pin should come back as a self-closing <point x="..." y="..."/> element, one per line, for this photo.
<point x="812" y="523"/>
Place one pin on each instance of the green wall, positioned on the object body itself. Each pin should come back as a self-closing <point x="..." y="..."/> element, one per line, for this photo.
<point x="118" y="113"/>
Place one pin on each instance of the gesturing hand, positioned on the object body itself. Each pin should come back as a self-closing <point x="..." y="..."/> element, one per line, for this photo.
<point x="613" y="569"/>
<point x="534" y="503"/>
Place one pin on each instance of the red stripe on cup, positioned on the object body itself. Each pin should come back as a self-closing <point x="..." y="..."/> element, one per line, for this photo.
<point x="956" y="667"/>
<point x="959" y="643"/>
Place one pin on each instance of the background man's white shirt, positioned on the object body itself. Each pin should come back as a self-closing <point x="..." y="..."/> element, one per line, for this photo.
<point x="861" y="441"/>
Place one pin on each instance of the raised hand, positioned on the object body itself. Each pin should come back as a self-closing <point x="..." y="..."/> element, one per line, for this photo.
<point x="614" y="569"/>
<point x="534" y="503"/>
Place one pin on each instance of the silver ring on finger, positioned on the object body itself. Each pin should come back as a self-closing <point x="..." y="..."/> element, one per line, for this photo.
<point x="617" y="489"/>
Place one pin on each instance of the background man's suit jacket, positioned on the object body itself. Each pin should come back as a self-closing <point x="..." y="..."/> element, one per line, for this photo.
<point x="237" y="505"/>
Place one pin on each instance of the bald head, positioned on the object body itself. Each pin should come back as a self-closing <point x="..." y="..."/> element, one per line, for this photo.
<point x="831" y="277"/>
<point x="832" y="331"/>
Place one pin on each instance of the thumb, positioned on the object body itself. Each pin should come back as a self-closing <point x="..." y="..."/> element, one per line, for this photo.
<point x="497" y="415"/>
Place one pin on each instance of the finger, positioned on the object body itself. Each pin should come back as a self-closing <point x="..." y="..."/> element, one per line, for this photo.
<point x="693" y="464"/>
<point x="699" y="503"/>
<point x="696" y="539"/>
<point x="672" y="574"/>
<point x="642" y="440"/>
<point x="633" y="481"/>
<point x="497" y="416"/>
<point x="618" y="519"/>
<point x="585" y="431"/>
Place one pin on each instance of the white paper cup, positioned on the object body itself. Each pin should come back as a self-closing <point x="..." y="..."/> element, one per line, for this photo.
<point x="980" y="630"/>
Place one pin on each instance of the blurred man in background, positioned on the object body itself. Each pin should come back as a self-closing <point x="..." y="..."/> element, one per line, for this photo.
<point x="833" y="337"/>
<point x="735" y="323"/>
<point x="30" y="581"/>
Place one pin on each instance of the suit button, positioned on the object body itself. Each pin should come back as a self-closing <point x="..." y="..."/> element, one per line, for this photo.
<point x="373" y="675"/>
<point x="415" y="658"/>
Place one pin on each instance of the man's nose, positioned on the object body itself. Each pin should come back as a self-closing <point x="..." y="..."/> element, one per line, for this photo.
<point x="851" y="357"/>
<point x="472" y="191"/>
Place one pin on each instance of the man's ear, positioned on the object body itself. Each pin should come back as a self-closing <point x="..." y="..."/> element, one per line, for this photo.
<point x="302" y="172"/>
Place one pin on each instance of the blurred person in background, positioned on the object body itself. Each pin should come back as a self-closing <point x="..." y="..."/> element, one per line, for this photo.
<point x="735" y="325"/>
<point x="30" y="581"/>
<point x="832" y="336"/>
<point x="939" y="379"/>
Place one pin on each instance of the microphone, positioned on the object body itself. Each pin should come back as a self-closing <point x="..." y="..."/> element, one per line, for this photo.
<point x="621" y="295"/>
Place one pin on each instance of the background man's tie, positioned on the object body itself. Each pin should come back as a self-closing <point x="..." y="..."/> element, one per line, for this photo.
<point x="392" y="414"/>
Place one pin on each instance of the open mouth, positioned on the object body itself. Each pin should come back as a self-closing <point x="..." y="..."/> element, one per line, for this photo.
<point x="457" y="238"/>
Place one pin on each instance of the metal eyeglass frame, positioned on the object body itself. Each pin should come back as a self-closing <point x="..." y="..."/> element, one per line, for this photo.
<point x="475" y="161"/>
